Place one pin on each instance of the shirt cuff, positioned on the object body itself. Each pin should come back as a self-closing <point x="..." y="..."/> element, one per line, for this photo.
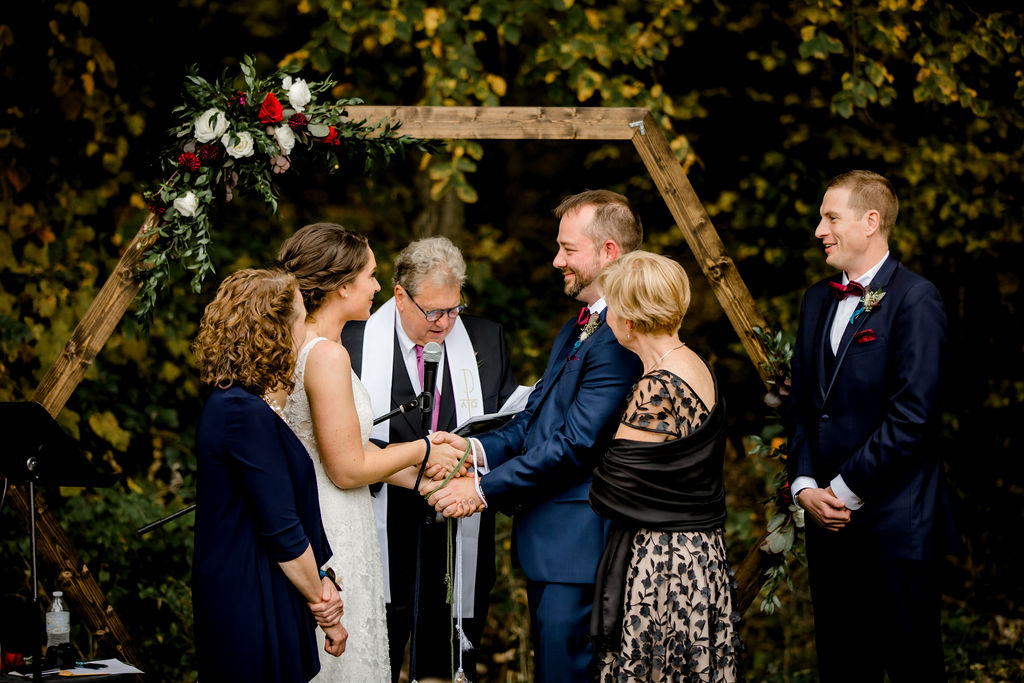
<point x="479" y="458"/>
<point x="473" y="443"/>
<point x="843" y="493"/>
<point x="799" y="484"/>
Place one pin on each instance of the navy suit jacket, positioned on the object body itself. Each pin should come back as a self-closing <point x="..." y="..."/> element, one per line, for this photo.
<point x="873" y="419"/>
<point x="542" y="460"/>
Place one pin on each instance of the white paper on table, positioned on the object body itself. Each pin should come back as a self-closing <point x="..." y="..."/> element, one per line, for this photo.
<point x="110" y="667"/>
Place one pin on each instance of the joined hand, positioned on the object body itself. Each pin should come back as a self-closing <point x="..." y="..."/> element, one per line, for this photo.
<point x="827" y="509"/>
<point x="457" y="499"/>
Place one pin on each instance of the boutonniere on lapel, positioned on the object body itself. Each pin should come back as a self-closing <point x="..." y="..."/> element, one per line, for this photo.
<point x="869" y="301"/>
<point x="864" y="336"/>
<point x="588" y="329"/>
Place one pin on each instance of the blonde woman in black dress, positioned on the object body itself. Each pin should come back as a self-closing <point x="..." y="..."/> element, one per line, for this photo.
<point x="664" y="605"/>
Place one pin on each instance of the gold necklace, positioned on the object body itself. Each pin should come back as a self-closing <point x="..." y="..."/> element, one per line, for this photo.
<point x="654" y="365"/>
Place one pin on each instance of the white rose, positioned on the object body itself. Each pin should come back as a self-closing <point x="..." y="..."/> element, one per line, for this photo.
<point x="286" y="82"/>
<point x="798" y="518"/>
<point x="210" y="125"/>
<point x="298" y="94"/>
<point x="187" y="205"/>
<point x="242" y="148"/>
<point x="285" y="138"/>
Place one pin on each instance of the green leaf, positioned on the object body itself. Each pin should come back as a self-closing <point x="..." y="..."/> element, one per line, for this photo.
<point x="318" y="130"/>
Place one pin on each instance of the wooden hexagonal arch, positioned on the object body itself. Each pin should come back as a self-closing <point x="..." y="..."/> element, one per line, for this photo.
<point x="477" y="123"/>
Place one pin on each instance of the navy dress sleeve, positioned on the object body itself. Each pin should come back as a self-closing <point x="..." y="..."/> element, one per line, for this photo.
<point x="257" y="506"/>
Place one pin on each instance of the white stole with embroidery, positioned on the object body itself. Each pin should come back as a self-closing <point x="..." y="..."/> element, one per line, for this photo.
<point x="376" y="375"/>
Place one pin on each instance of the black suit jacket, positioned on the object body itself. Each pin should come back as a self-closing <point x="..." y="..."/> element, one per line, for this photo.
<point x="872" y="419"/>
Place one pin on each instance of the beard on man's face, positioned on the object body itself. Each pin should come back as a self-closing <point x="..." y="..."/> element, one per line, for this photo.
<point x="577" y="284"/>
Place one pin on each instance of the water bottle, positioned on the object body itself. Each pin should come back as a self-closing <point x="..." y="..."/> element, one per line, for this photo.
<point x="58" y="621"/>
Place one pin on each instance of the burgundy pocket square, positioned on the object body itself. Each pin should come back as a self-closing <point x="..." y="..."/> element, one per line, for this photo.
<point x="865" y="336"/>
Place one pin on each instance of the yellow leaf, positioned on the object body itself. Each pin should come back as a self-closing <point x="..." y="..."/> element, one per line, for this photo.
<point x="304" y="7"/>
<point x="432" y="18"/>
<point x="474" y="13"/>
<point x="105" y="426"/>
<point x="437" y="48"/>
<point x="593" y="18"/>
<point x="135" y="488"/>
<point x="497" y="84"/>
<point x="81" y="10"/>
<point x="807" y="32"/>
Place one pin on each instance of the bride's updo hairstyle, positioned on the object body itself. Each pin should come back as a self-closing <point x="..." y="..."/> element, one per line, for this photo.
<point x="649" y="290"/>
<point x="245" y="336"/>
<point x="322" y="257"/>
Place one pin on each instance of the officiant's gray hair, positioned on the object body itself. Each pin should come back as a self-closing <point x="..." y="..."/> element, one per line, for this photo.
<point x="431" y="258"/>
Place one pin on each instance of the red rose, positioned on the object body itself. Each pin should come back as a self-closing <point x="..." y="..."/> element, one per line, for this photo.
<point x="865" y="336"/>
<point x="297" y="121"/>
<point x="189" y="161"/>
<point x="271" y="110"/>
<point x="332" y="137"/>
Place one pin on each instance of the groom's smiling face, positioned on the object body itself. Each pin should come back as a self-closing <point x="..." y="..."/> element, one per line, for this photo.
<point x="578" y="257"/>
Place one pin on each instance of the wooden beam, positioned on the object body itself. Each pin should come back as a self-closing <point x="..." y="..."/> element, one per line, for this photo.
<point x="507" y="123"/>
<point x="96" y="325"/>
<point x="74" y="578"/>
<point x="703" y="240"/>
<point x="60" y="381"/>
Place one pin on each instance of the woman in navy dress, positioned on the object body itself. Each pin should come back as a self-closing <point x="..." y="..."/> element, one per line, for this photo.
<point x="258" y="586"/>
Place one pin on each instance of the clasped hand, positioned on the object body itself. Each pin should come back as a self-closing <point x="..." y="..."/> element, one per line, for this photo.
<point x="328" y="613"/>
<point x="445" y="457"/>
<point x="458" y="498"/>
<point x="827" y="509"/>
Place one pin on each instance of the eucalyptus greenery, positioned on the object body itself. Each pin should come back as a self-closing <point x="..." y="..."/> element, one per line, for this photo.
<point x="322" y="134"/>
<point x="786" y="524"/>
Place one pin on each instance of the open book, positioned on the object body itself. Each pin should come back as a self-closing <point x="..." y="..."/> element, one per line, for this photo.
<point x="478" y="424"/>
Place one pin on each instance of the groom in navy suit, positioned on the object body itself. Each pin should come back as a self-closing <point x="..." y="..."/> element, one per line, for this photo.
<point x="863" y="461"/>
<point x="538" y="466"/>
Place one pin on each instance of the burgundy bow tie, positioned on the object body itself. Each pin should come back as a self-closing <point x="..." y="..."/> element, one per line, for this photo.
<point x="584" y="316"/>
<point x="842" y="291"/>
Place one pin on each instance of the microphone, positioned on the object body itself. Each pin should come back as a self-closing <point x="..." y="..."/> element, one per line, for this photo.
<point x="431" y="359"/>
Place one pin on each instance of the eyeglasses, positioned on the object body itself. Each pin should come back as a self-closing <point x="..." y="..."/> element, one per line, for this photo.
<point x="435" y="315"/>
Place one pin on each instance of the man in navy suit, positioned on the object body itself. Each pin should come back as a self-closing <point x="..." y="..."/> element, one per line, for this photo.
<point x="538" y="466"/>
<point x="863" y="462"/>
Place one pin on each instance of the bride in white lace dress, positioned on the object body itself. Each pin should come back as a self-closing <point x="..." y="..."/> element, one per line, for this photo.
<point x="329" y="410"/>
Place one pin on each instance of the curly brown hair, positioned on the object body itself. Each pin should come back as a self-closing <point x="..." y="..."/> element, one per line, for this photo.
<point x="245" y="336"/>
<point x="323" y="257"/>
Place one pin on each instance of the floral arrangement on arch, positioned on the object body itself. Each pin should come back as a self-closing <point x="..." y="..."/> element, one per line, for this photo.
<point x="238" y="134"/>
<point x="785" y="528"/>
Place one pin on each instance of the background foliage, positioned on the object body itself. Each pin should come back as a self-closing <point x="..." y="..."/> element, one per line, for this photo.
<point x="762" y="101"/>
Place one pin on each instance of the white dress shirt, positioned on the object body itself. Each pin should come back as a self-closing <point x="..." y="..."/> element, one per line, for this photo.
<point x="844" y="309"/>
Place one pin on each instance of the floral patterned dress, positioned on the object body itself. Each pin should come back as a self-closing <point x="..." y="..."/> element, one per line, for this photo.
<point x="680" y="621"/>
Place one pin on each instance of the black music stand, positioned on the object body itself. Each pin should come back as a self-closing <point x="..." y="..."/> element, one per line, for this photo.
<point x="38" y="451"/>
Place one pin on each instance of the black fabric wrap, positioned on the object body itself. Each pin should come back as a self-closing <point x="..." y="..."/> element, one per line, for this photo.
<point x="673" y="485"/>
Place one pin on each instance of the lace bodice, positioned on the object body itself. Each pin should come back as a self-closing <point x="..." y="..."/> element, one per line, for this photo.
<point x="352" y="531"/>
<point x="298" y="415"/>
<point x="662" y="401"/>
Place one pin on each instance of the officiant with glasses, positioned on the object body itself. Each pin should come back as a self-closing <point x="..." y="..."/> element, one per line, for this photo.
<point x="473" y="379"/>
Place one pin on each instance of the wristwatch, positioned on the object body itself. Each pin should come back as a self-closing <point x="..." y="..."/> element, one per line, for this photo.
<point x="329" y="573"/>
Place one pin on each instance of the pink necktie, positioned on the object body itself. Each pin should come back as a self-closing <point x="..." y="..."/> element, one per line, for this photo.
<point x="437" y="392"/>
